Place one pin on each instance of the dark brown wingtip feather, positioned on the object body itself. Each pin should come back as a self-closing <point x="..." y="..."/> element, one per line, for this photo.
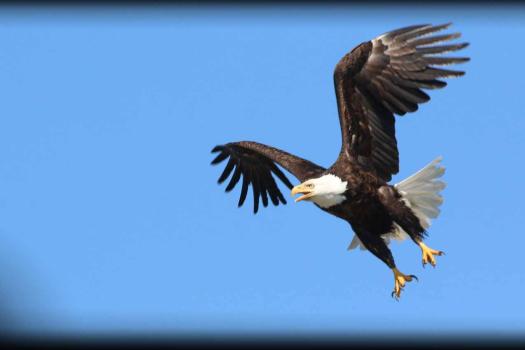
<point x="439" y="49"/>
<point x="222" y="156"/>
<point x="256" y="191"/>
<point x="445" y="73"/>
<point x="227" y="171"/>
<point x="217" y="148"/>
<point x="429" y="40"/>
<point x="445" y="61"/>
<point x="425" y="30"/>
<point x="263" y="184"/>
<point x="235" y="179"/>
<point x="273" y="190"/>
<point x="431" y="84"/>
<point x="443" y="26"/>
<point x="244" y="190"/>
<point x="281" y="176"/>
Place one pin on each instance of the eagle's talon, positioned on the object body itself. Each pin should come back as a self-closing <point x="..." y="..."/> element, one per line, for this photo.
<point x="395" y="296"/>
<point x="428" y="254"/>
<point x="400" y="280"/>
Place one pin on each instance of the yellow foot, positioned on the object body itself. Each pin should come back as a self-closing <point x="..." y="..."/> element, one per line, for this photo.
<point x="399" y="282"/>
<point x="428" y="254"/>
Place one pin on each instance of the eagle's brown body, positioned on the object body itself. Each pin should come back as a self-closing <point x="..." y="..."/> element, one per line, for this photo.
<point x="375" y="81"/>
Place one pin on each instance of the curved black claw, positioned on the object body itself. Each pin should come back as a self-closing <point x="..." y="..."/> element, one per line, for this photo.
<point x="414" y="277"/>
<point x="442" y="253"/>
<point x="394" y="295"/>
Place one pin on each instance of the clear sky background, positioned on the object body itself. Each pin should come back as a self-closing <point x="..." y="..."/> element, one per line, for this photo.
<point x="111" y="219"/>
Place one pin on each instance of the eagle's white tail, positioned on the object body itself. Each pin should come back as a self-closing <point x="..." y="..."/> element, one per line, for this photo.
<point x="420" y="192"/>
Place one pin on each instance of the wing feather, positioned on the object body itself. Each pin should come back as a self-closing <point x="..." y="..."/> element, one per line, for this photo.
<point x="263" y="186"/>
<point x="274" y="192"/>
<point x="227" y="170"/>
<point x="257" y="164"/>
<point x="384" y="77"/>
<point x="256" y="191"/>
<point x="235" y="178"/>
<point x="244" y="189"/>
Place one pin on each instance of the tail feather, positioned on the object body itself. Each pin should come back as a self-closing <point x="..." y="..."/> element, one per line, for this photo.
<point x="420" y="192"/>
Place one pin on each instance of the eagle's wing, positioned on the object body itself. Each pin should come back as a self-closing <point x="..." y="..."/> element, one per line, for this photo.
<point x="383" y="77"/>
<point x="256" y="162"/>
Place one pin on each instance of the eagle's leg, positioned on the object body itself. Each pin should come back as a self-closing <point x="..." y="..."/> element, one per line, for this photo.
<point x="428" y="254"/>
<point x="377" y="246"/>
<point x="399" y="282"/>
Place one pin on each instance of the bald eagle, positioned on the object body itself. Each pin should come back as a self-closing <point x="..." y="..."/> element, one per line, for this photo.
<point x="375" y="81"/>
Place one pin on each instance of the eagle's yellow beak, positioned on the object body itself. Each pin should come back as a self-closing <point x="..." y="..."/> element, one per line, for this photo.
<point x="306" y="192"/>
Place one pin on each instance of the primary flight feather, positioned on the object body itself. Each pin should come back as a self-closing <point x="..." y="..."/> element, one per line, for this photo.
<point x="375" y="81"/>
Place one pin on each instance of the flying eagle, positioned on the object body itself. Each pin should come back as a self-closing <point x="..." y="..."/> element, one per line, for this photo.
<point x="373" y="82"/>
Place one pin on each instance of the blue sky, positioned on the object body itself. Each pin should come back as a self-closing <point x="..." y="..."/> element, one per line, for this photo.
<point x="111" y="219"/>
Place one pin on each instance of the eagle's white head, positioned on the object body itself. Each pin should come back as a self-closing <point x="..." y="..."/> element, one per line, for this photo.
<point x="325" y="191"/>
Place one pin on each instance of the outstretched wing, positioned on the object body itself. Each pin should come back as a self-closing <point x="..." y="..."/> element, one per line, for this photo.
<point x="256" y="164"/>
<point x="383" y="77"/>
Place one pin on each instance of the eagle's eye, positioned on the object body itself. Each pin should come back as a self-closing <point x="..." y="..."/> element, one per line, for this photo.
<point x="310" y="185"/>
